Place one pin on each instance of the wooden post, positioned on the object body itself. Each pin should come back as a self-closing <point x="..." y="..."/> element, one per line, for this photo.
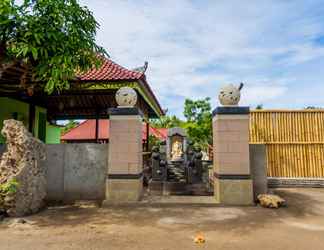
<point x="147" y="136"/>
<point x="97" y="126"/>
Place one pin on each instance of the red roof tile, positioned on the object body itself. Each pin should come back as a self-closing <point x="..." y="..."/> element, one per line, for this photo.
<point x="110" y="71"/>
<point x="87" y="131"/>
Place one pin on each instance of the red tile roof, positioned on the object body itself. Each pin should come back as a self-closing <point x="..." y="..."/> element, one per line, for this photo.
<point x="86" y="130"/>
<point x="160" y="133"/>
<point x="110" y="71"/>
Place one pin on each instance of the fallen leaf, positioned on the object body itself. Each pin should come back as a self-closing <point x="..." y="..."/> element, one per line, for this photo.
<point x="199" y="239"/>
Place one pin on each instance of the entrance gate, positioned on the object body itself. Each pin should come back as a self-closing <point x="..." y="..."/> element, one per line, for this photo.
<point x="181" y="167"/>
<point x="177" y="167"/>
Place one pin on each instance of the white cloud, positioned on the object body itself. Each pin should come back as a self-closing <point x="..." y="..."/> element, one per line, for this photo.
<point x="194" y="46"/>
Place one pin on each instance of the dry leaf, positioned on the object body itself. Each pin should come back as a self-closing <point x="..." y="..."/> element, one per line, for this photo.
<point x="199" y="239"/>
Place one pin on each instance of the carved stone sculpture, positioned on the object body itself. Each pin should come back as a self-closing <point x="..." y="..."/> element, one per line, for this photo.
<point x="158" y="165"/>
<point x="126" y="97"/>
<point x="230" y="95"/>
<point x="198" y="163"/>
<point x="21" y="163"/>
<point x="176" y="152"/>
<point x="190" y="151"/>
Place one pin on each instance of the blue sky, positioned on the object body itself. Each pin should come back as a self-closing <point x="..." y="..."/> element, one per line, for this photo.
<point x="193" y="47"/>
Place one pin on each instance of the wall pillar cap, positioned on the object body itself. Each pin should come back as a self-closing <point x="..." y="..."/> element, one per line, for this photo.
<point x="125" y="111"/>
<point x="231" y="110"/>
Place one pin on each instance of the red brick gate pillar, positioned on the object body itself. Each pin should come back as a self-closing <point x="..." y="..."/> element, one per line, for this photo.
<point x="125" y="167"/>
<point x="233" y="183"/>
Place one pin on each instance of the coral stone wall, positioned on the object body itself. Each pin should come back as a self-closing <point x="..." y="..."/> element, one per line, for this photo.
<point x="21" y="164"/>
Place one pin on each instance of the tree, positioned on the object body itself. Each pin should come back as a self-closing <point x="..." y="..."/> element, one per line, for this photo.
<point x="259" y="106"/>
<point x="167" y="122"/>
<point x="199" y="121"/>
<point x="53" y="39"/>
<point x="153" y="141"/>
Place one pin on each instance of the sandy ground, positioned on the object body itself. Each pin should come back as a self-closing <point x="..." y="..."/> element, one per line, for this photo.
<point x="298" y="226"/>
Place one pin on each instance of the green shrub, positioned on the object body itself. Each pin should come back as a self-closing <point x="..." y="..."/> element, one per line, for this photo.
<point x="9" y="187"/>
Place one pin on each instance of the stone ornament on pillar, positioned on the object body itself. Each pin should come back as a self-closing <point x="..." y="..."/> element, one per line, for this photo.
<point x="126" y="97"/>
<point x="229" y="95"/>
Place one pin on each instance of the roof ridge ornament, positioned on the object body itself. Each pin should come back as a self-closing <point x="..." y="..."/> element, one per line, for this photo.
<point x="141" y="69"/>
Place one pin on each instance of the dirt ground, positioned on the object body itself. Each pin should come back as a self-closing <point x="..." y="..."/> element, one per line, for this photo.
<point x="86" y="227"/>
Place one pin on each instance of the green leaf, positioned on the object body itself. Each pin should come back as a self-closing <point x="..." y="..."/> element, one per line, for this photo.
<point x="34" y="52"/>
<point x="25" y="51"/>
<point x="37" y="36"/>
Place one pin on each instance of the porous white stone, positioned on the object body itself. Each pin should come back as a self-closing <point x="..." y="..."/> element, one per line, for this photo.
<point x="270" y="200"/>
<point x="22" y="162"/>
<point x="229" y="95"/>
<point x="126" y="97"/>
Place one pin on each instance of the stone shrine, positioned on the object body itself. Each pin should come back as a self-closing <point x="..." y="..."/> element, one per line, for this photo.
<point x="176" y="144"/>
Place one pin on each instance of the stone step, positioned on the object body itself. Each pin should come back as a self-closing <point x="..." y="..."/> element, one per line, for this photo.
<point x="180" y="187"/>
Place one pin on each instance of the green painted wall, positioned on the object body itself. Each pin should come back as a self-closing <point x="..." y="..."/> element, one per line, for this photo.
<point x="8" y="108"/>
<point x="11" y="108"/>
<point x="53" y="134"/>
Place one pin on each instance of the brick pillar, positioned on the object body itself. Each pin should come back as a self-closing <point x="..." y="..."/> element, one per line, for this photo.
<point x="233" y="183"/>
<point x="125" y="167"/>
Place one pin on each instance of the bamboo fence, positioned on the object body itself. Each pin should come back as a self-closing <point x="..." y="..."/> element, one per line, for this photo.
<point x="294" y="141"/>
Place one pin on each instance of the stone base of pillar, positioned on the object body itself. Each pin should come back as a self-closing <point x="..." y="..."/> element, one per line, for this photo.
<point x="123" y="191"/>
<point x="233" y="192"/>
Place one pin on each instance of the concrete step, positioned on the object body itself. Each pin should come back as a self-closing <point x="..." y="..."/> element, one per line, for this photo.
<point x="180" y="187"/>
